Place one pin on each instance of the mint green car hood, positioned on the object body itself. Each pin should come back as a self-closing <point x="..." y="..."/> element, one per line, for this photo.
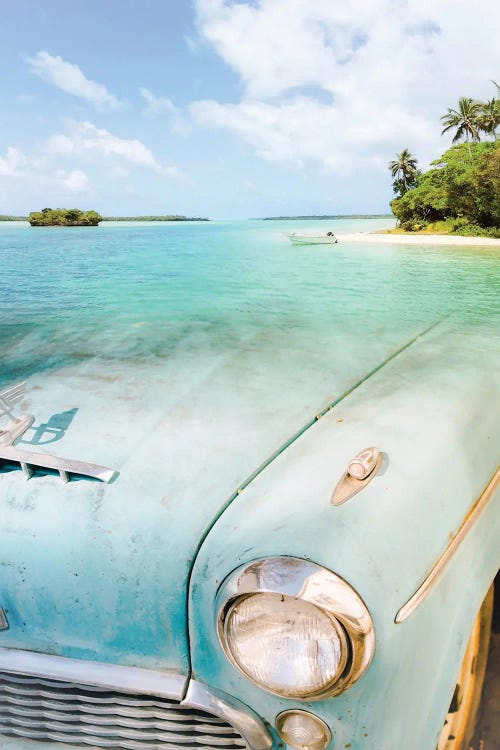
<point x="100" y="571"/>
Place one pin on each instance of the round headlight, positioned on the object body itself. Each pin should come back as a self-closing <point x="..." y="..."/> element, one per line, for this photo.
<point x="294" y="628"/>
<point x="285" y="645"/>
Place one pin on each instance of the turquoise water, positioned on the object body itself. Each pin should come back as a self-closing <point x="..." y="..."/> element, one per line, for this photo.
<point x="138" y="293"/>
<point x="266" y="331"/>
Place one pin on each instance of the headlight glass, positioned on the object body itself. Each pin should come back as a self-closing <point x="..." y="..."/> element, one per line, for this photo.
<point x="286" y="645"/>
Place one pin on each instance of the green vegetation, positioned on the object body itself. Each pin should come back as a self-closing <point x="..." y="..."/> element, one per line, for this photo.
<point x="465" y="119"/>
<point x="64" y="217"/>
<point x="6" y="217"/>
<point x="404" y="170"/>
<point x="173" y="217"/>
<point x="461" y="191"/>
<point x="460" y="194"/>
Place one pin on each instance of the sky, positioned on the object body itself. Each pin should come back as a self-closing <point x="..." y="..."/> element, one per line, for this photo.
<point x="230" y="109"/>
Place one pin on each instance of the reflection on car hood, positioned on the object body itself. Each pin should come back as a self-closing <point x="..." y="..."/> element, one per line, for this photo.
<point x="101" y="571"/>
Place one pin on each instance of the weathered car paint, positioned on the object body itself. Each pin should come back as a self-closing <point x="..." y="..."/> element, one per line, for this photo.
<point x="430" y="411"/>
<point x="99" y="571"/>
<point x="83" y="578"/>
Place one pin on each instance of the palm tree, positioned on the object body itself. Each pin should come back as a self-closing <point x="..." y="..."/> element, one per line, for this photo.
<point x="404" y="170"/>
<point x="489" y="117"/>
<point x="464" y="119"/>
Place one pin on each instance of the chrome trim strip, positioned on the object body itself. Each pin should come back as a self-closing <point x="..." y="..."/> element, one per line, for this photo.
<point x="189" y="693"/>
<point x="215" y="702"/>
<point x="4" y="625"/>
<point x="111" y="676"/>
<point x="302" y="579"/>
<point x="438" y="568"/>
<point x="49" y="461"/>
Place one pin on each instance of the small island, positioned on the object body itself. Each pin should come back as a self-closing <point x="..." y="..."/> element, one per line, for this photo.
<point x="64" y="217"/>
<point x="322" y="217"/>
<point x="87" y="218"/>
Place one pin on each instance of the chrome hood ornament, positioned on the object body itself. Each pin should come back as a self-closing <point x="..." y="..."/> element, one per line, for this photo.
<point x="17" y="426"/>
<point x="30" y="461"/>
<point x="360" y="472"/>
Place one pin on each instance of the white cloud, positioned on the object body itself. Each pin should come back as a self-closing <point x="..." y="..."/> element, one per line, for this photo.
<point x="69" y="78"/>
<point x="347" y="83"/>
<point x="12" y="162"/>
<point x="301" y="130"/>
<point x="76" y="181"/>
<point x="87" y="139"/>
<point x="162" y="105"/>
<point x="61" y="144"/>
<point x="157" y="105"/>
<point x="17" y="165"/>
<point x="96" y="139"/>
<point x="46" y="173"/>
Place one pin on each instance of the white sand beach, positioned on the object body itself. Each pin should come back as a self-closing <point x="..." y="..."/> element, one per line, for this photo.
<point x="418" y="239"/>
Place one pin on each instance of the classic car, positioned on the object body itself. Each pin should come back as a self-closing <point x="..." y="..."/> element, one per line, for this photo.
<point x="334" y="594"/>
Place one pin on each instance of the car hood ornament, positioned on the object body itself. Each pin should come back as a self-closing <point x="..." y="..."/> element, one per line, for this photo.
<point x="360" y="472"/>
<point x="30" y="461"/>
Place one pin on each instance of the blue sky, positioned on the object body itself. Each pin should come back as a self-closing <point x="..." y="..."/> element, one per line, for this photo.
<point x="229" y="109"/>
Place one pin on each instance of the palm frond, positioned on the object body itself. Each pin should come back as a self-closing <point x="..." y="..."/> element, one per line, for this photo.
<point x="466" y="120"/>
<point x="449" y="126"/>
<point x="461" y="133"/>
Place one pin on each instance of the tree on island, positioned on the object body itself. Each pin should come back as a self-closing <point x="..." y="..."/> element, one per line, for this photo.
<point x="64" y="217"/>
<point x="465" y="119"/>
<point x="473" y="118"/>
<point x="404" y="170"/>
<point x="164" y="217"/>
<point x="489" y="117"/>
<point x="460" y="194"/>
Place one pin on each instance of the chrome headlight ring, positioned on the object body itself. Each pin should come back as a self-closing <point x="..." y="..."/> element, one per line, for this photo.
<point x="309" y="585"/>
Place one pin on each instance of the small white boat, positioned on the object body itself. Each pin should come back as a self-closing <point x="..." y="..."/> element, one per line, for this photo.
<point x="312" y="239"/>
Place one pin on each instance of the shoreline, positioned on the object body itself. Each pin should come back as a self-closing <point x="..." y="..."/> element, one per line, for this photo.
<point x="419" y="239"/>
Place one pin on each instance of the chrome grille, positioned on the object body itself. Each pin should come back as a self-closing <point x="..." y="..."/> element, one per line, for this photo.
<point x="43" y="709"/>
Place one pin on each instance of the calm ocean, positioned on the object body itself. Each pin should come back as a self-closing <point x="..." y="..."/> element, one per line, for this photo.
<point x="258" y="333"/>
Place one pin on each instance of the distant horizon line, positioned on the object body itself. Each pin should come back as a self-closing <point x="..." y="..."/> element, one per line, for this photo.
<point x="325" y="216"/>
<point x="180" y="217"/>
